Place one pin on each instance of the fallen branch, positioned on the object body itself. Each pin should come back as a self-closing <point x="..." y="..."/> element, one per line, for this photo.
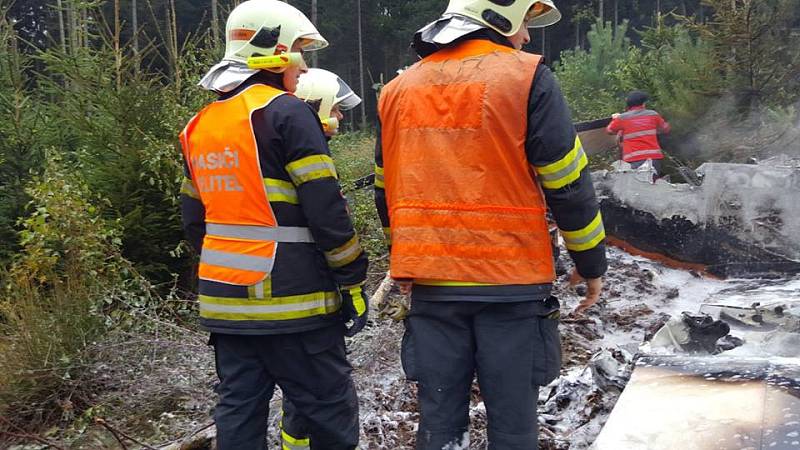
<point x="23" y="435"/>
<point x="114" y="431"/>
<point x="196" y="440"/>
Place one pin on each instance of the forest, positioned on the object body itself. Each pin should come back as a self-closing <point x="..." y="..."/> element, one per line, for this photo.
<point x="93" y="94"/>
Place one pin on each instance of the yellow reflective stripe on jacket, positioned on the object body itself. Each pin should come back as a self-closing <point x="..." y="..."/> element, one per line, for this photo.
<point x="344" y="255"/>
<point x="586" y="238"/>
<point x="387" y="233"/>
<point x="281" y="191"/>
<point x="564" y="171"/>
<point x="311" y="168"/>
<point x="290" y="442"/>
<point x="187" y="188"/>
<point x="262" y="290"/>
<point x="275" y="308"/>
<point x="380" y="181"/>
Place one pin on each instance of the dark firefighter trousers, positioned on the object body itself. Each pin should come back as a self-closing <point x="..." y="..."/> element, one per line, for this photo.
<point x="513" y="347"/>
<point x="311" y="370"/>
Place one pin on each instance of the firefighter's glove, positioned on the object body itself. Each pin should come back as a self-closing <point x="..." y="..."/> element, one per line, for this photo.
<point x="355" y="308"/>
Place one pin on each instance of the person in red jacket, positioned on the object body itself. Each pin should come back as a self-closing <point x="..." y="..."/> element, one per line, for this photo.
<point x="639" y="128"/>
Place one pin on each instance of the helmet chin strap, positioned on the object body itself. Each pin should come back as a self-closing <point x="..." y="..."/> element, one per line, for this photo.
<point x="276" y="63"/>
<point x="330" y="125"/>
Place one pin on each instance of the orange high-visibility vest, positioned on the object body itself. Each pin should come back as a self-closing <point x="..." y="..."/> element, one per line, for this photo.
<point x="220" y="148"/>
<point x="463" y="201"/>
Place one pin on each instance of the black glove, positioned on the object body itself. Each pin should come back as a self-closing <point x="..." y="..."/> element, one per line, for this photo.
<point x="355" y="307"/>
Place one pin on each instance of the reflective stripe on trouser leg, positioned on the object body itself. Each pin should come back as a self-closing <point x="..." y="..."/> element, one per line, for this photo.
<point x="293" y="427"/>
<point x="289" y="442"/>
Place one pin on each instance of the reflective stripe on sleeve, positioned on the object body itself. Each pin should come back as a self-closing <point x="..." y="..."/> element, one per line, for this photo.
<point x="564" y="171"/>
<point x="187" y="188"/>
<point x="587" y="237"/>
<point x="380" y="181"/>
<point x="311" y="168"/>
<point x="274" y="308"/>
<point x="359" y="304"/>
<point x="256" y="233"/>
<point x="345" y="254"/>
<point x="281" y="191"/>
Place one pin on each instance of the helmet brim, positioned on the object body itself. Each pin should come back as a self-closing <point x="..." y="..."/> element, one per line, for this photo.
<point x="546" y="19"/>
<point x="349" y="102"/>
<point x="312" y="42"/>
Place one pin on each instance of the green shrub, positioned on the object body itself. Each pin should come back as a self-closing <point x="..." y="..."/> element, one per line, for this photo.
<point x="21" y="116"/>
<point x="56" y="295"/>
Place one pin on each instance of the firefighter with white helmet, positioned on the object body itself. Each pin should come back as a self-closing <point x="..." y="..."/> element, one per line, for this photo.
<point x="329" y="95"/>
<point x="281" y="267"/>
<point x="507" y="17"/>
<point x="476" y="143"/>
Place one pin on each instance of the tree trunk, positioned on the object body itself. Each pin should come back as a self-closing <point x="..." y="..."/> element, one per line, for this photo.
<point x="135" y="23"/>
<point x="361" y="68"/>
<point x="85" y="26"/>
<point x="215" y="22"/>
<point x="544" y="43"/>
<point x="616" y="14"/>
<point x="314" y="55"/>
<point x="72" y="27"/>
<point x="578" y="34"/>
<point x="117" y="49"/>
<point x="601" y="12"/>
<point x="61" y="32"/>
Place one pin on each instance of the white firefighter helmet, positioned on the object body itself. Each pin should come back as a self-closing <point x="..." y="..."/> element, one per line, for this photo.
<point x="267" y="28"/>
<point x="328" y="90"/>
<point x="506" y="16"/>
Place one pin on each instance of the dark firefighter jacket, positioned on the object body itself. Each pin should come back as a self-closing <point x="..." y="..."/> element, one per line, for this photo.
<point x="303" y="191"/>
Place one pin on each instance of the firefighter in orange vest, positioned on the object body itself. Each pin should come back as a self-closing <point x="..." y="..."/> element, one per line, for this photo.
<point x="476" y="142"/>
<point x="638" y="128"/>
<point x="281" y="267"/>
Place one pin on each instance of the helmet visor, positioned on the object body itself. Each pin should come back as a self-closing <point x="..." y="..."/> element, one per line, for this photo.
<point x="312" y="41"/>
<point x="542" y="14"/>
<point x="346" y="99"/>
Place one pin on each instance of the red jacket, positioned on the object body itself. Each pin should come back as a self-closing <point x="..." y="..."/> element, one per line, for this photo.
<point x="639" y="128"/>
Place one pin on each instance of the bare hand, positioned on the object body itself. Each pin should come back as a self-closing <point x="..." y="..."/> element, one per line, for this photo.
<point x="593" y="288"/>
